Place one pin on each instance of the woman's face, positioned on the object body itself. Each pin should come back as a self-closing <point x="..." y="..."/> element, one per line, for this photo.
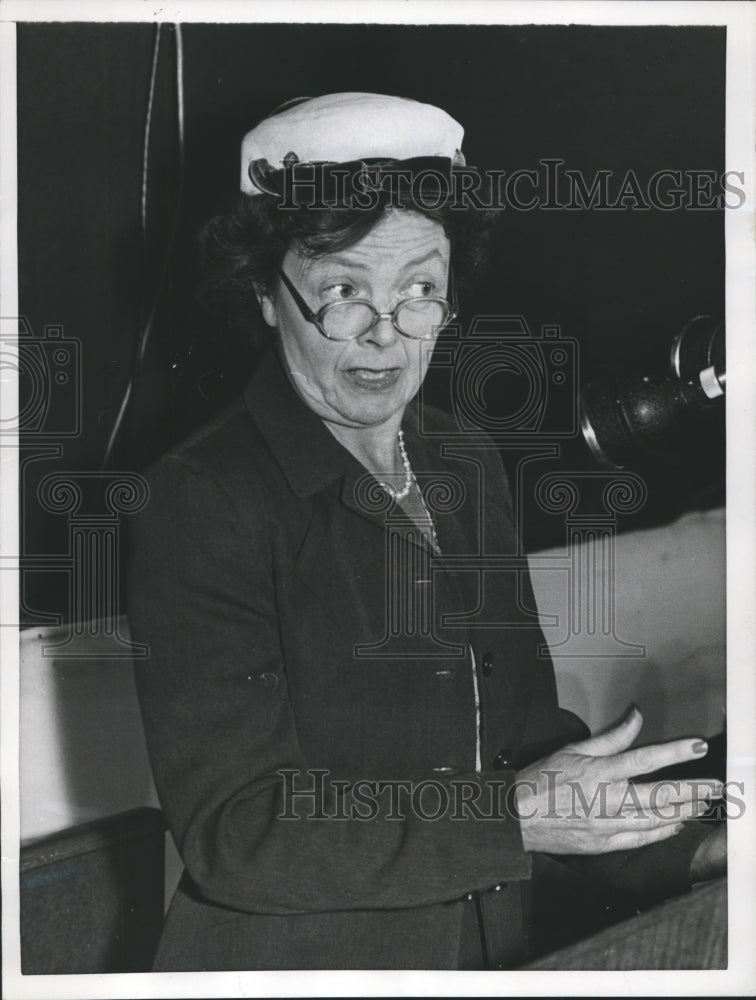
<point x="365" y="381"/>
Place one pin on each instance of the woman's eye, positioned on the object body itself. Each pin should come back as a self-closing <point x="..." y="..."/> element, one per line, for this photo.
<point x="339" y="291"/>
<point x="421" y="289"/>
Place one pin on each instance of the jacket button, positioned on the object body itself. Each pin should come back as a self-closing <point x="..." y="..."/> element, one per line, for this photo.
<point x="487" y="664"/>
<point x="503" y="758"/>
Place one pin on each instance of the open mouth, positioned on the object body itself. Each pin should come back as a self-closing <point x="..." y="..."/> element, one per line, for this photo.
<point x="374" y="379"/>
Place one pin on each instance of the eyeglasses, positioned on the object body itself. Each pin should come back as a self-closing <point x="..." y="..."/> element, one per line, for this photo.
<point x="419" y="318"/>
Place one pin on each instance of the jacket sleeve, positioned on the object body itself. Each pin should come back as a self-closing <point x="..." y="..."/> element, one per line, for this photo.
<point x="220" y="731"/>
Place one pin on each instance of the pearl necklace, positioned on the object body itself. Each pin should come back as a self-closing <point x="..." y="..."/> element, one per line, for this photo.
<point x="409" y="479"/>
<point x="431" y="525"/>
<point x="404" y="491"/>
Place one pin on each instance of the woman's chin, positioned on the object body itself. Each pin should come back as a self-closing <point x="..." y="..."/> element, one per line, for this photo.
<point x="365" y="407"/>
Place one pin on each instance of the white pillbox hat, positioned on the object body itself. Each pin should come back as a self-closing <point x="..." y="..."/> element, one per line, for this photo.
<point x="342" y="128"/>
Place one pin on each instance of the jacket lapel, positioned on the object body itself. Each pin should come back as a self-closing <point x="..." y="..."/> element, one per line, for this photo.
<point x="309" y="456"/>
<point x="311" y="459"/>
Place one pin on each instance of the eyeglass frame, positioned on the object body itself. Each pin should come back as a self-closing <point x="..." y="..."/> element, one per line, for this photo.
<point x="316" y="317"/>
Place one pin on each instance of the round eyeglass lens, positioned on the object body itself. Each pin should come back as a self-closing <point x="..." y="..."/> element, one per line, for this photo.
<point x="414" y="318"/>
<point x="419" y="317"/>
<point x="344" y="320"/>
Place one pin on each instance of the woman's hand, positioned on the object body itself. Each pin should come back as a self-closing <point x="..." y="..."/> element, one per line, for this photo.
<point x="580" y="800"/>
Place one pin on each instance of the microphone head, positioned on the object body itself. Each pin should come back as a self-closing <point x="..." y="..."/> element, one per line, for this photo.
<point x="621" y="417"/>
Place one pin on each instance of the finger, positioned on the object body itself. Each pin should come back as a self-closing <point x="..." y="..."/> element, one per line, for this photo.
<point x="646" y="760"/>
<point x="614" y="740"/>
<point x="660" y="795"/>
<point x="654" y="815"/>
<point x="645" y="805"/>
<point x="629" y="840"/>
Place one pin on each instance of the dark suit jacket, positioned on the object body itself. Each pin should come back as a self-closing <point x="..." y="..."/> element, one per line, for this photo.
<point x="292" y="628"/>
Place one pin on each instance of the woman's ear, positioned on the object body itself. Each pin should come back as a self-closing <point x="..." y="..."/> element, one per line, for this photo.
<point x="268" y="307"/>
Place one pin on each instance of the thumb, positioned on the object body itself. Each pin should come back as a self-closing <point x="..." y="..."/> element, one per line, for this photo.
<point x="614" y="740"/>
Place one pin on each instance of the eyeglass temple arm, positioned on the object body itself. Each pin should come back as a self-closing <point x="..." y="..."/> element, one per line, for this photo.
<point x="451" y="293"/>
<point x="302" y="305"/>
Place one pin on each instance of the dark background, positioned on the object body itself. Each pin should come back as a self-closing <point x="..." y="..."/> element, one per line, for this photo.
<point x="621" y="283"/>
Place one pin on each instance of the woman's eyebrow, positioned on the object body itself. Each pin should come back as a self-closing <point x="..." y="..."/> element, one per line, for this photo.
<point x="425" y="259"/>
<point x="340" y="260"/>
<point x="343" y="260"/>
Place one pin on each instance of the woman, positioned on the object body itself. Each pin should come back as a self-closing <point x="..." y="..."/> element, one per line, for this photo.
<point x="337" y="710"/>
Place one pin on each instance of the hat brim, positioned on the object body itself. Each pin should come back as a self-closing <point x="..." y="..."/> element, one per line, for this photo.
<point x="429" y="180"/>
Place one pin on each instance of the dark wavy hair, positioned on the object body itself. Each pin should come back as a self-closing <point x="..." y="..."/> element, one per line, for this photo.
<point x="240" y="252"/>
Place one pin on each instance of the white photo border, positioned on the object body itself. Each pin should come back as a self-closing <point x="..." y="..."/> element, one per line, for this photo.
<point x="740" y="978"/>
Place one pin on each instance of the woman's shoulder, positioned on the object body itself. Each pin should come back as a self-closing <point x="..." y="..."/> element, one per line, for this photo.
<point x="228" y="452"/>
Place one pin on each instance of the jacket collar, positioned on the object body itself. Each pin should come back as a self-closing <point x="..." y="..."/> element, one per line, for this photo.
<point x="310" y="457"/>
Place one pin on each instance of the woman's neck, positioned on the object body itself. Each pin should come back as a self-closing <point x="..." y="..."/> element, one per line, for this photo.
<point x="377" y="448"/>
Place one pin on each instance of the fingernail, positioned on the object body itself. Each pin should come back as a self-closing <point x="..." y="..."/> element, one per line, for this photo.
<point x="634" y="710"/>
<point x="700" y="747"/>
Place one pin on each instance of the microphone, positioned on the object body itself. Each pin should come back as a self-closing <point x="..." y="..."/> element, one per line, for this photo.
<point x="624" y="418"/>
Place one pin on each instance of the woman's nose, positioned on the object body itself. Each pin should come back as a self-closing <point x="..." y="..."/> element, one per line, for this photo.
<point x="383" y="332"/>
